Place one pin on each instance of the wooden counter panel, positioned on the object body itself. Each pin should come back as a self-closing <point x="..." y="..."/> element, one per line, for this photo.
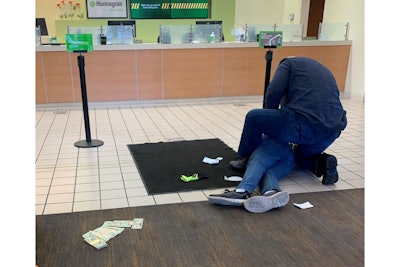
<point x="314" y="52"/>
<point x="76" y="80"/>
<point x="234" y="72"/>
<point x="41" y="97"/>
<point x="256" y="65"/>
<point x="337" y="59"/>
<point x="150" y="73"/>
<point x="171" y="73"/>
<point x="111" y="75"/>
<point x="192" y="73"/>
<point x="303" y="51"/>
<point x="281" y="53"/>
<point x="57" y="73"/>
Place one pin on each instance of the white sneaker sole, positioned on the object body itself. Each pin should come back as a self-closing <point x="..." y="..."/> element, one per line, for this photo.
<point x="259" y="204"/>
<point x="227" y="201"/>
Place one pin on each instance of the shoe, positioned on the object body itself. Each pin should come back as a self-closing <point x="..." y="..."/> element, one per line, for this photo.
<point x="239" y="164"/>
<point x="271" y="200"/>
<point x="229" y="198"/>
<point x="326" y="167"/>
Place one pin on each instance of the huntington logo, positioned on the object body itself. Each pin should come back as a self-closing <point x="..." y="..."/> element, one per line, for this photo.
<point x="105" y="4"/>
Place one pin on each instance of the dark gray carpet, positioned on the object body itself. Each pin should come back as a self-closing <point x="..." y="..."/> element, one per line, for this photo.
<point x="204" y="234"/>
<point x="162" y="164"/>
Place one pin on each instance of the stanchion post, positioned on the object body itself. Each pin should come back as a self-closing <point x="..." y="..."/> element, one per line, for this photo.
<point x="88" y="142"/>
<point x="268" y="58"/>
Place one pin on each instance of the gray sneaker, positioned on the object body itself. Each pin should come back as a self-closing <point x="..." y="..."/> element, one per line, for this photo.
<point x="239" y="164"/>
<point x="229" y="198"/>
<point x="263" y="203"/>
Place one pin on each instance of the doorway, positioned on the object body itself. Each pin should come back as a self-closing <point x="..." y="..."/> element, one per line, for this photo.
<point x="315" y="17"/>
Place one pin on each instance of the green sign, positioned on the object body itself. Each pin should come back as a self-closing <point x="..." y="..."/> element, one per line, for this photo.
<point x="270" y="39"/>
<point x="169" y="9"/>
<point x="79" y="42"/>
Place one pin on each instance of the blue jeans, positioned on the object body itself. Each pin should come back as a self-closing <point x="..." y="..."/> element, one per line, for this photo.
<point x="265" y="142"/>
<point x="269" y="163"/>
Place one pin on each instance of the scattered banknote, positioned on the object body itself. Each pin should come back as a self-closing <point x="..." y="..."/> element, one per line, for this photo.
<point x="118" y="223"/>
<point x="94" y="241"/>
<point x="106" y="233"/>
<point x="98" y="237"/>
<point x="137" y="223"/>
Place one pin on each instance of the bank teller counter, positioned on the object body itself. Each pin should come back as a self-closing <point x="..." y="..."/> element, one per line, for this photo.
<point x="188" y="65"/>
<point x="173" y="71"/>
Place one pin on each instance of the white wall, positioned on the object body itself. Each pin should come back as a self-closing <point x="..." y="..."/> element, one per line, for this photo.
<point x="277" y="11"/>
<point x="292" y="6"/>
<point x="352" y="12"/>
<point x="267" y="11"/>
<point x="258" y="12"/>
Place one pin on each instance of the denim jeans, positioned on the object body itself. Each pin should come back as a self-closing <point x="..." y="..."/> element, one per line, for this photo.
<point x="265" y="142"/>
<point x="269" y="163"/>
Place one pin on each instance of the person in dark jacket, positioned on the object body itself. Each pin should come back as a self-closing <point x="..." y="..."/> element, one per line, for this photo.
<point x="303" y="116"/>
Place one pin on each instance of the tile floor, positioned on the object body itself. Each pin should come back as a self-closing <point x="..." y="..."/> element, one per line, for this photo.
<point x="71" y="179"/>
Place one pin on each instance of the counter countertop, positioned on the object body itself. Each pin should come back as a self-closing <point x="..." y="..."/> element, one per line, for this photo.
<point x="155" y="46"/>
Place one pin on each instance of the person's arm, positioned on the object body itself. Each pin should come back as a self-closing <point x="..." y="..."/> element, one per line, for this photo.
<point x="278" y="85"/>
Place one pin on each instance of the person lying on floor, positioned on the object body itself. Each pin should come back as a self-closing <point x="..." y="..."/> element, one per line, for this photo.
<point x="302" y="107"/>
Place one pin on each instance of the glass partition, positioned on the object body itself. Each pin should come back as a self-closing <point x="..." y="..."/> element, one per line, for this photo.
<point x="333" y="31"/>
<point x="202" y="33"/>
<point x="95" y="31"/>
<point x="38" y="37"/>
<point x="291" y="32"/>
<point x="183" y="34"/>
<point x="121" y="34"/>
<point x="294" y="32"/>
<point x="176" y="34"/>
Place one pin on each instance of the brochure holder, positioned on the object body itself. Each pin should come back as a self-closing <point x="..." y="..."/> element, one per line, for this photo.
<point x="268" y="39"/>
<point x="83" y="43"/>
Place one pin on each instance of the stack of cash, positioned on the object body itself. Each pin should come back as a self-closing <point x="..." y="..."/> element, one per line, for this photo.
<point x="98" y="237"/>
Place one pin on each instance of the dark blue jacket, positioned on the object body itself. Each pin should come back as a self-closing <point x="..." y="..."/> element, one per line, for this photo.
<point x="307" y="87"/>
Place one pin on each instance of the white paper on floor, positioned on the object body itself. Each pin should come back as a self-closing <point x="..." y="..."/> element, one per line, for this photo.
<point x="305" y="205"/>
<point x="233" y="178"/>
<point x="212" y="161"/>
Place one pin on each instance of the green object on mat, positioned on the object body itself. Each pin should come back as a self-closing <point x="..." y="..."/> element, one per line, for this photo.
<point x="187" y="179"/>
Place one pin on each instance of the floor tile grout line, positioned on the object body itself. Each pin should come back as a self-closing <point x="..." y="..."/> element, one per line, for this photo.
<point x="117" y="154"/>
<point x="55" y="165"/>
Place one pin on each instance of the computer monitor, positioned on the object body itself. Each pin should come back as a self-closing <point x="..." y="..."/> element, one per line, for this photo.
<point x="209" y="22"/>
<point x="41" y="22"/>
<point x="123" y="23"/>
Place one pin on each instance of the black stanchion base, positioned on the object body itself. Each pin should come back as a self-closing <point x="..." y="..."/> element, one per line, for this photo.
<point x="86" y="144"/>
